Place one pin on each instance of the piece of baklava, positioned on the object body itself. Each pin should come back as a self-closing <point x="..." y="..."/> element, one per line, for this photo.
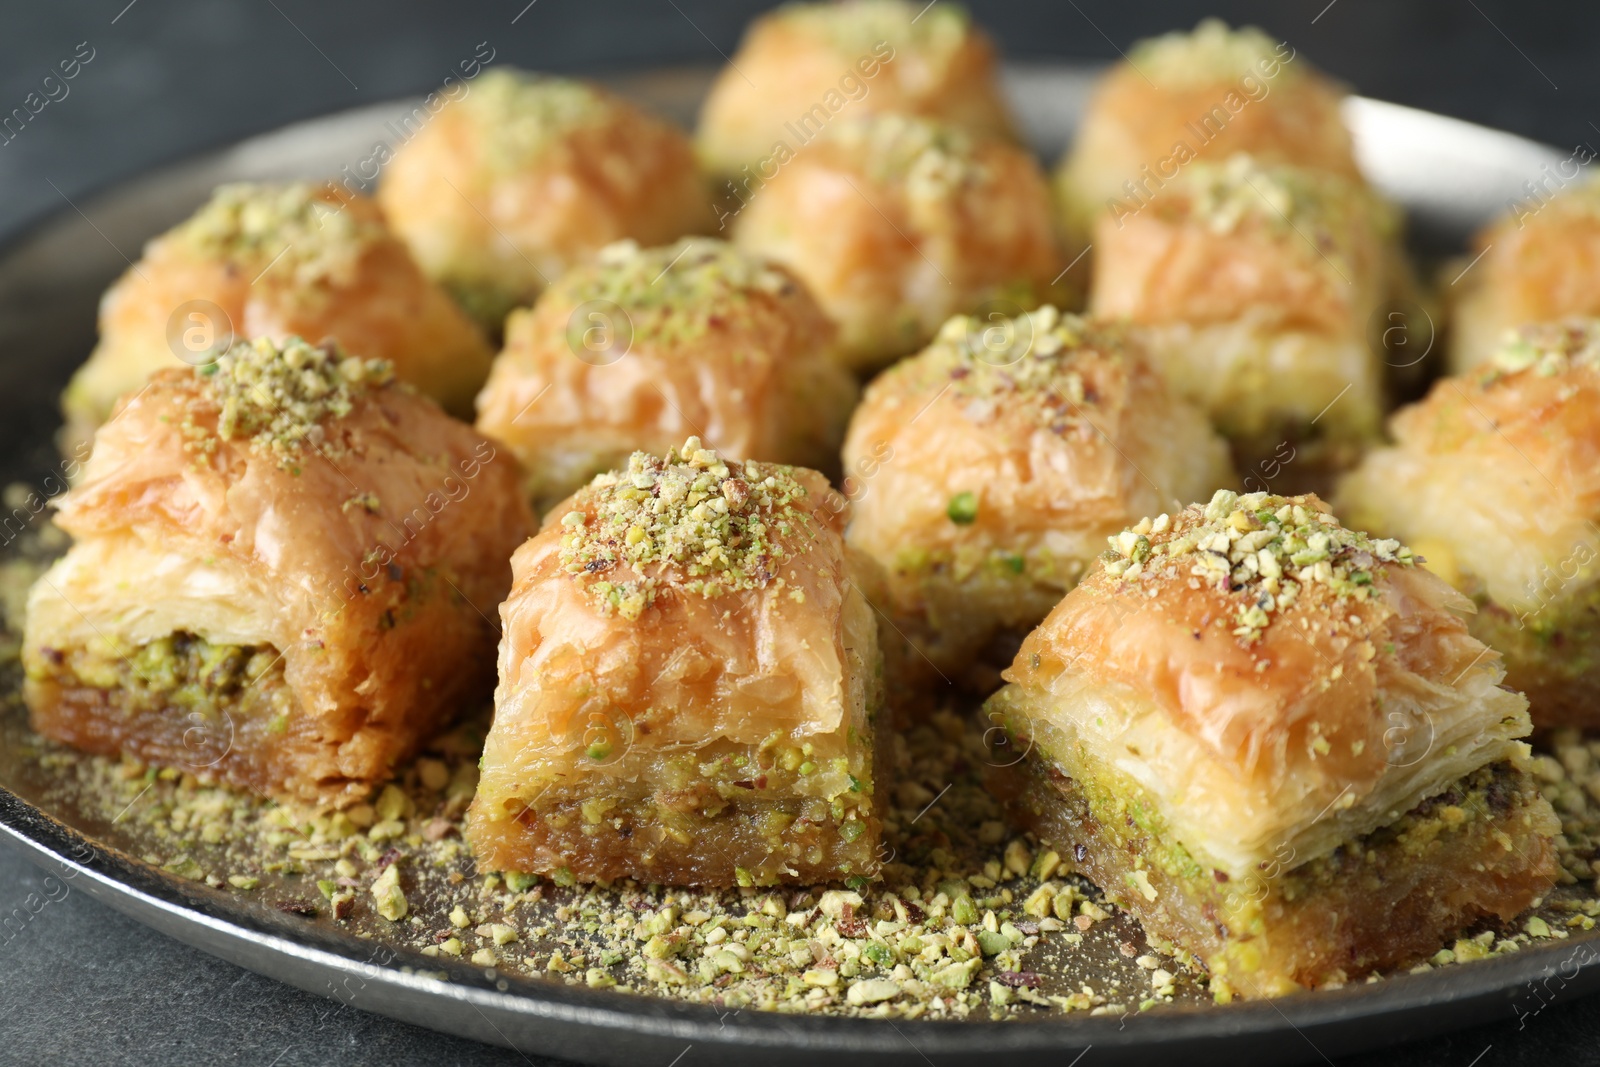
<point x="283" y="571"/>
<point x="1272" y="739"/>
<point x="650" y="346"/>
<point x="1495" y="478"/>
<point x="896" y="223"/>
<point x="1538" y="263"/>
<point x="1200" y="96"/>
<point x="987" y="471"/>
<point x="688" y="680"/>
<point x="526" y="176"/>
<point x="1253" y="288"/>
<point x="296" y="260"/>
<point x="802" y="67"/>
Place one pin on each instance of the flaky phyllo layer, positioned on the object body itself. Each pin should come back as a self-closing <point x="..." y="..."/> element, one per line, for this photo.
<point x="1269" y="680"/>
<point x="685" y="653"/>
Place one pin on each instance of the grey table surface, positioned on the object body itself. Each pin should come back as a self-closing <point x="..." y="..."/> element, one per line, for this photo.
<point x="79" y="983"/>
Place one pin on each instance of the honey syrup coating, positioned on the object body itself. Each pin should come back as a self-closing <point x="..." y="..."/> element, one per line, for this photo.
<point x="292" y="510"/>
<point x="649" y="346"/>
<point x="804" y="65"/>
<point x="1538" y="263"/>
<point x="986" y="472"/>
<point x="689" y="678"/>
<point x="299" y="259"/>
<point x="1203" y="95"/>
<point x="1253" y="288"/>
<point x="1252" y="718"/>
<point x="527" y="176"/>
<point x="896" y="223"/>
<point x="1493" y="478"/>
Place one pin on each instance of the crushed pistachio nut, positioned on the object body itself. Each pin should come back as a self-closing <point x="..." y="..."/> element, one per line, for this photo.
<point x="387" y="894"/>
<point x="1547" y="348"/>
<point x="929" y="159"/>
<point x="1211" y="53"/>
<point x="302" y="231"/>
<point x="524" y="115"/>
<point x="933" y="33"/>
<point x="719" y="527"/>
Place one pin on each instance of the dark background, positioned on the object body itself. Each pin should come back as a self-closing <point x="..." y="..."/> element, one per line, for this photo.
<point x="82" y="984"/>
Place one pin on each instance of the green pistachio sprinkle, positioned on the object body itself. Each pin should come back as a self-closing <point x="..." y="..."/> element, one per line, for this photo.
<point x="1547" y="348"/>
<point x="294" y="229"/>
<point x="963" y="509"/>
<point x="718" y="527"/>
<point x="277" y="395"/>
<point x="1262" y="547"/>
<point x="933" y="31"/>
<point x="528" y="114"/>
<point x="1211" y="53"/>
<point x="929" y="159"/>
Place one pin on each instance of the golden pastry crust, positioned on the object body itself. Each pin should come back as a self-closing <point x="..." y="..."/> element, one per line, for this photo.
<point x="897" y="223"/>
<point x="1248" y="693"/>
<point x="1201" y="96"/>
<point x="1539" y="263"/>
<point x="293" y="500"/>
<point x="1495" y="478"/>
<point x="302" y="260"/>
<point x="1253" y="288"/>
<point x="688" y="678"/>
<point x="989" y="469"/>
<point x="527" y="176"/>
<point x="650" y="346"/>
<point x="803" y="65"/>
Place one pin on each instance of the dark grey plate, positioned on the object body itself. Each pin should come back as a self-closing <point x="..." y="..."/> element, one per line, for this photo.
<point x="1449" y="175"/>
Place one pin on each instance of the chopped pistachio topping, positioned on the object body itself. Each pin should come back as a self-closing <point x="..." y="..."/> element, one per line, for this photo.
<point x="676" y="293"/>
<point x="963" y="509"/>
<point x="296" y="228"/>
<point x="931" y="160"/>
<point x="720" y="527"/>
<point x="524" y="115"/>
<point x="1212" y="53"/>
<point x="1548" y="348"/>
<point x="278" y="394"/>
<point x="933" y="32"/>
<point x="1264" y="548"/>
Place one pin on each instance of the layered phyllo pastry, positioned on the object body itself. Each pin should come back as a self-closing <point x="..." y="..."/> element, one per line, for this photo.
<point x="689" y="676"/>
<point x="1253" y="287"/>
<point x="649" y="346"/>
<point x="989" y="470"/>
<point x="896" y="223"/>
<point x="804" y="66"/>
<point x="1272" y="739"/>
<point x="1539" y="262"/>
<point x="298" y="260"/>
<point x="284" y="569"/>
<point x="525" y="176"/>
<point x="1200" y="96"/>
<point x="1495" y="478"/>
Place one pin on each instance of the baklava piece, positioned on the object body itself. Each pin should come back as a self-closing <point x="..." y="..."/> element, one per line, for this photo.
<point x="803" y="66"/>
<point x="282" y="575"/>
<point x="1253" y="288"/>
<point x="1273" y="740"/>
<point x="1538" y="263"/>
<point x="650" y="346"/>
<point x="688" y="681"/>
<point x="526" y="176"/>
<point x="1495" y="479"/>
<point x="1200" y="96"/>
<point x="896" y="223"/>
<point x="296" y="260"/>
<point x="987" y="472"/>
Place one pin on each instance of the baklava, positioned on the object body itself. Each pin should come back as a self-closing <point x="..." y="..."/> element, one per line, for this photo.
<point x="1273" y="740"/>
<point x="803" y="66"/>
<point x="689" y="676"/>
<point x="896" y="223"/>
<point x="526" y="176"/>
<point x="284" y="570"/>
<point x="1538" y="263"/>
<point x="1253" y="288"/>
<point x="1203" y="96"/>
<point x="302" y="260"/>
<point x="1495" y="478"/>
<point x="989" y="469"/>
<point x="650" y="346"/>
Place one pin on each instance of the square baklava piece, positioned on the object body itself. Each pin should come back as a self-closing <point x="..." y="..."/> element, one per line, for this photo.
<point x="689" y="675"/>
<point x="1273" y="740"/>
<point x="283" y="572"/>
